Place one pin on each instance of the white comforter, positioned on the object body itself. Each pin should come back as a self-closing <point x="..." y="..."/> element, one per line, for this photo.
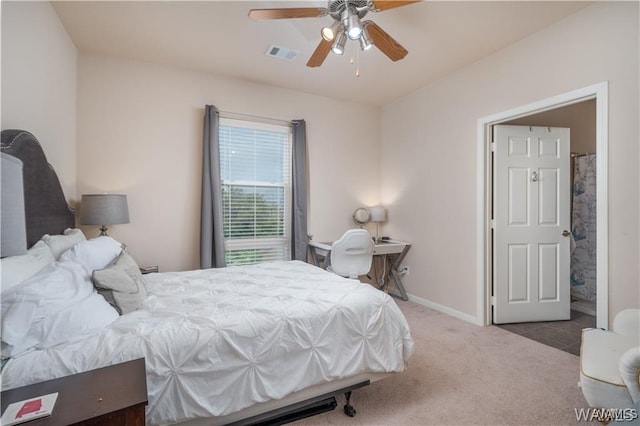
<point x="219" y="340"/>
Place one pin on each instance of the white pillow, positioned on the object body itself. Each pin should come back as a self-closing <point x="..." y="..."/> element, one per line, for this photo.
<point x="93" y="254"/>
<point x="61" y="243"/>
<point x="57" y="305"/>
<point x="73" y="323"/>
<point x="16" y="269"/>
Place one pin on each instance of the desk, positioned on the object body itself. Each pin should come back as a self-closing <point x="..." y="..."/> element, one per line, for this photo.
<point x="392" y="251"/>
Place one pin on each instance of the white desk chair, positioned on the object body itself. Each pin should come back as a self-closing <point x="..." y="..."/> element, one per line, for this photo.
<point x="351" y="255"/>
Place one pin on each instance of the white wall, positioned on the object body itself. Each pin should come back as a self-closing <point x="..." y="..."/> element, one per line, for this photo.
<point x="140" y="133"/>
<point x="430" y="155"/>
<point x="39" y="83"/>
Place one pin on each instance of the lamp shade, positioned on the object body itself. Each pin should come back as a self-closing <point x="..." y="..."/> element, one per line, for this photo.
<point x="103" y="209"/>
<point x="14" y="230"/>
<point x="378" y="213"/>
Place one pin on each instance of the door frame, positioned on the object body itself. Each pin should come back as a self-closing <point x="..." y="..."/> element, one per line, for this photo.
<point x="599" y="92"/>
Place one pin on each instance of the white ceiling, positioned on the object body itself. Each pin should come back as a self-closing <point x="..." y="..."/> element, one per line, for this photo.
<point x="219" y="37"/>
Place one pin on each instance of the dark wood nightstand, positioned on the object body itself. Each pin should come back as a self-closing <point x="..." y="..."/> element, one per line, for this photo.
<point x="114" y="395"/>
<point x="148" y="269"/>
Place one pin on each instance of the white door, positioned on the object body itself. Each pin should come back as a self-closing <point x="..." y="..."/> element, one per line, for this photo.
<point x="531" y="239"/>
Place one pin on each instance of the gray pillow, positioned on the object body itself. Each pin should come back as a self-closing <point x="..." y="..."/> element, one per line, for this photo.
<point x="122" y="284"/>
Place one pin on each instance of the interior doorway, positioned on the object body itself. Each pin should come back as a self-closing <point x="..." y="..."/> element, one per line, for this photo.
<point x="560" y="111"/>
<point x="530" y="223"/>
<point x="580" y="118"/>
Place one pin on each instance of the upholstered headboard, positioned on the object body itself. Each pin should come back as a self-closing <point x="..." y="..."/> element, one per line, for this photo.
<point x="46" y="208"/>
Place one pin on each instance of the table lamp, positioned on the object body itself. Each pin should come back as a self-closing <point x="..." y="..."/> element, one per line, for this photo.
<point x="378" y="215"/>
<point x="103" y="210"/>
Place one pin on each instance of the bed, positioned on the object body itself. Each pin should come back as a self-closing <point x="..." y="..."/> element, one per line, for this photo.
<point x="236" y="344"/>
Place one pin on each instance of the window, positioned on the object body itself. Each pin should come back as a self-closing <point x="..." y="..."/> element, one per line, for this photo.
<point x="255" y="167"/>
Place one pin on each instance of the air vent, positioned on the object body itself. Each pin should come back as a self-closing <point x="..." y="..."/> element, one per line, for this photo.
<point x="281" y="52"/>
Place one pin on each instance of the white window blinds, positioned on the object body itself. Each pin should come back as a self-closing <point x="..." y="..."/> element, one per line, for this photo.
<point x="255" y="167"/>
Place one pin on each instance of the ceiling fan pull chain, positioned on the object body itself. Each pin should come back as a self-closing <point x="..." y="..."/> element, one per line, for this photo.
<point x="355" y="61"/>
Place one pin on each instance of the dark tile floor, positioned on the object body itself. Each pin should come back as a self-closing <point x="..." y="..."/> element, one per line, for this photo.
<point x="563" y="335"/>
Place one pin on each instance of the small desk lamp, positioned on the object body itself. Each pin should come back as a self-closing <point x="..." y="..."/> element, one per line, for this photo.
<point x="378" y="215"/>
<point x="103" y="210"/>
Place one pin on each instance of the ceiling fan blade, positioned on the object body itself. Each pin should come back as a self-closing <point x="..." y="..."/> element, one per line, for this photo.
<point x="320" y="54"/>
<point x="287" y="13"/>
<point x="380" y="5"/>
<point x="385" y="42"/>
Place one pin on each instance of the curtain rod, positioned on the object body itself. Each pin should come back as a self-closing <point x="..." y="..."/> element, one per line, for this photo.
<point x="248" y="117"/>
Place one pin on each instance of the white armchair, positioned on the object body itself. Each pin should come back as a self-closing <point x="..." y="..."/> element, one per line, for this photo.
<point x="610" y="363"/>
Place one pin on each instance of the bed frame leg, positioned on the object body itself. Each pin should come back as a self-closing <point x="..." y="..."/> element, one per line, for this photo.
<point x="348" y="408"/>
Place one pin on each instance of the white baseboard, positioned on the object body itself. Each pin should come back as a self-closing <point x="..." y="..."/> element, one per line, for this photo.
<point x="446" y="310"/>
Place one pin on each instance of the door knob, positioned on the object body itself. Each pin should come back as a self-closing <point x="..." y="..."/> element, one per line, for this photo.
<point x="566" y="233"/>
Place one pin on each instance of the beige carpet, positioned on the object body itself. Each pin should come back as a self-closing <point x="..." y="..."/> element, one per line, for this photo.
<point x="462" y="374"/>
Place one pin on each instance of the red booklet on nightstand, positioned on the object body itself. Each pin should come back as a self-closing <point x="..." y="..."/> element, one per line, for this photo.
<point x="29" y="409"/>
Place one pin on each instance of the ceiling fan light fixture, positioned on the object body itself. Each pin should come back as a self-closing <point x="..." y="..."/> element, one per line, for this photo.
<point x="329" y="33"/>
<point x="352" y="24"/>
<point x="338" y="45"/>
<point x="354" y="32"/>
<point x="365" y="40"/>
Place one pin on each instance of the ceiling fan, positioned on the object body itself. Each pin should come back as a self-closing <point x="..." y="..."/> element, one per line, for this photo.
<point x="347" y="15"/>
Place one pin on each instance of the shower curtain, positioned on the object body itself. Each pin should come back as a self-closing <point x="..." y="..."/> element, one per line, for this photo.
<point x="583" y="255"/>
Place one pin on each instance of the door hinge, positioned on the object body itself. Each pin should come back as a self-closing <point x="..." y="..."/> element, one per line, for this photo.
<point x="493" y="301"/>
<point x="492" y="223"/>
<point x="493" y="147"/>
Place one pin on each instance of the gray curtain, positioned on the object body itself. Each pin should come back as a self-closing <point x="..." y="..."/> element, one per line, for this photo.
<point x="299" y="238"/>
<point x="211" y="233"/>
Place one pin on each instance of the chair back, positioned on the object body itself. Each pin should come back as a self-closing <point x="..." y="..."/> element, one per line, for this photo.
<point x="351" y="255"/>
